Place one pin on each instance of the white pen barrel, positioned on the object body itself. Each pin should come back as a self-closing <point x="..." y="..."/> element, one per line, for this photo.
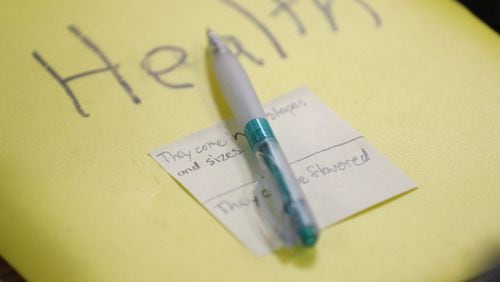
<point x="237" y="88"/>
<point x="238" y="91"/>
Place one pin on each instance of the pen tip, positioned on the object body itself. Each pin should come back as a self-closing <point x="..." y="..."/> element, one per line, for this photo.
<point x="212" y="36"/>
<point x="308" y="236"/>
<point x="215" y="42"/>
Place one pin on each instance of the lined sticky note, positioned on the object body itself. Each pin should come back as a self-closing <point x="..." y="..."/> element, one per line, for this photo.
<point x="339" y="171"/>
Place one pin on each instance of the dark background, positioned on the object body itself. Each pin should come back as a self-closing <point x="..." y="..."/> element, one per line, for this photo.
<point x="486" y="10"/>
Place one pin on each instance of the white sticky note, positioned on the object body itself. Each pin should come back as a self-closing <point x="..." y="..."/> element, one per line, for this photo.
<point x="339" y="171"/>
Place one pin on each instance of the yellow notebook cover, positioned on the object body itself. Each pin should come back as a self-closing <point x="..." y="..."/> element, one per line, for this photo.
<point x="89" y="87"/>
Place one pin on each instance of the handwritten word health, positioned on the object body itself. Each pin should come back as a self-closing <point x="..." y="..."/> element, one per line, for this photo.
<point x="282" y="7"/>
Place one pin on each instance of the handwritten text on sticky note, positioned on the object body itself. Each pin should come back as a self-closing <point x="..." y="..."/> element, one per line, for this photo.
<point x="339" y="171"/>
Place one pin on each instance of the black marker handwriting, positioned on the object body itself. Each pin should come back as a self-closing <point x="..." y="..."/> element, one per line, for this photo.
<point x="240" y="50"/>
<point x="286" y="7"/>
<point x="326" y="10"/>
<point x="157" y="74"/>
<point x="369" y="9"/>
<point x="262" y="27"/>
<point x="113" y="68"/>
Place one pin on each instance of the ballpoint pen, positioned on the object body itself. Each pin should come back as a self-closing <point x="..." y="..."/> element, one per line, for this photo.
<point x="240" y="94"/>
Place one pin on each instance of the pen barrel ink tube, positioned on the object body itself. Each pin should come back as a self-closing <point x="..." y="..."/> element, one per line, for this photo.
<point x="295" y="222"/>
<point x="295" y="225"/>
